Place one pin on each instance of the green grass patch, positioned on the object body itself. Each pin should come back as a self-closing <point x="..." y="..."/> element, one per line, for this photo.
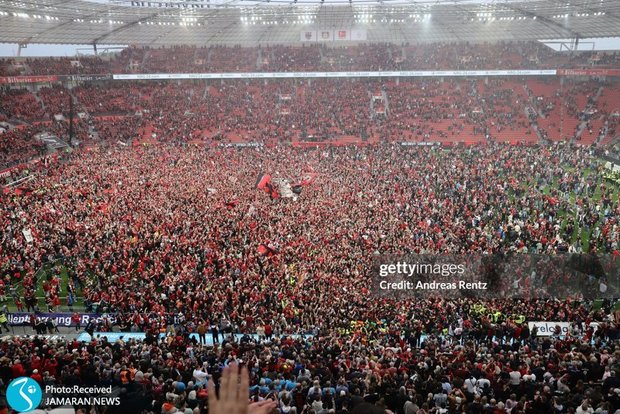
<point x="42" y="274"/>
<point x="581" y="234"/>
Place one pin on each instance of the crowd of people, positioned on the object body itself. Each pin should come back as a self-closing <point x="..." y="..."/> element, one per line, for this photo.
<point x="424" y="110"/>
<point x="177" y="239"/>
<point x="20" y="104"/>
<point x="18" y="146"/>
<point x="332" y="375"/>
<point x="318" y="110"/>
<point x="367" y="57"/>
<point x="97" y="202"/>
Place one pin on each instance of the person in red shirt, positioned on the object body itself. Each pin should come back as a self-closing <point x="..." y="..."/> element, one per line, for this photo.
<point x="51" y="366"/>
<point x="18" y="369"/>
<point x="75" y="320"/>
<point x="35" y="362"/>
<point x="36" y="376"/>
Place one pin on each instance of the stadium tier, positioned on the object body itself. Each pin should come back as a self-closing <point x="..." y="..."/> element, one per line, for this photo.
<point x="446" y="110"/>
<point x="381" y="242"/>
<point x="374" y="57"/>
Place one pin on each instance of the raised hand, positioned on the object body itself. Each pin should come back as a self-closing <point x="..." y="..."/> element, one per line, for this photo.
<point x="234" y="394"/>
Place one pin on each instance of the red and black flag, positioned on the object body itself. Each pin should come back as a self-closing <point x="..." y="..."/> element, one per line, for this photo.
<point x="272" y="190"/>
<point x="264" y="183"/>
<point x="262" y="180"/>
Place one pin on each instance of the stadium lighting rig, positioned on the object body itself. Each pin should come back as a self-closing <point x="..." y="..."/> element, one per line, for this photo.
<point x="567" y="15"/>
<point x="147" y="22"/>
<point x="277" y="15"/>
<point x="364" y="14"/>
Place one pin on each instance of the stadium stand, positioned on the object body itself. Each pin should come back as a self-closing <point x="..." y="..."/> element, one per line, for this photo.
<point x="375" y="57"/>
<point x="134" y="207"/>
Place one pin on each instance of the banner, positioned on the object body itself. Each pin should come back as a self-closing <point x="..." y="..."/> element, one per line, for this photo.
<point x="242" y="145"/>
<point x="589" y="72"/>
<point x="113" y="336"/>
<point x="28" y="235"/>
<point x="341" y="35"/>
<point x="85" y="78"/>
<point x="47" y="337"/>
<point x="61" y="319"/>
<point x="333" y="35"/>
<point x="325" y="35"/>
<point x="125" y="336"/>
<point x="308" y="36"/>
<point x="28" y="79"/>
<point x="359" y="34"/>
<point x="418" y="144"/>
<point x="548" y="328"/>
<point x="351" y="74"/>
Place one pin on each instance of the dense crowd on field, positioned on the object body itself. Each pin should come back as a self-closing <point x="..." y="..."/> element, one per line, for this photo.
<point x="178" y="239"/>
<point x="172" y="236"/>
<point x="276" y="58"/>
<point x="323" y="110"/>
<point x="121" y="212"/>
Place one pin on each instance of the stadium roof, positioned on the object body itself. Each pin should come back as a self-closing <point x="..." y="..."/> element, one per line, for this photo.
<point x="203" y="22"/>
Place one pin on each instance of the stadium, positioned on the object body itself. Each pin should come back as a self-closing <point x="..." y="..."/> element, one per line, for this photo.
<point x="310" y="206"/>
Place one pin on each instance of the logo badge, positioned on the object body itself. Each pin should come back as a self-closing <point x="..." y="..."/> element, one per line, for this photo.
<point x="24" y="394"/>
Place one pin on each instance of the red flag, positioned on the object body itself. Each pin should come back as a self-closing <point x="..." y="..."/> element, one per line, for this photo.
<point x="265" y="250"/>
<point x="231" y="204"/>
<point x="263" y="180"/>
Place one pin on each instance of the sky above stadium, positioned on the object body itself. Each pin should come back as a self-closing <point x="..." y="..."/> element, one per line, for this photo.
<point x="41" y="50"/>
